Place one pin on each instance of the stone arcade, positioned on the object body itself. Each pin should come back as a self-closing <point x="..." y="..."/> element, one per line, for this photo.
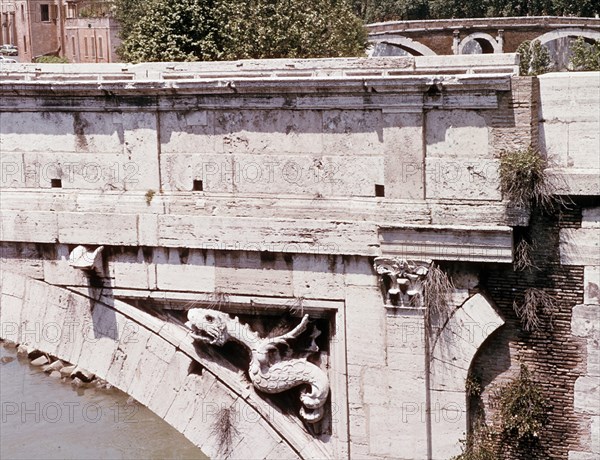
<point x="151" y="212"/>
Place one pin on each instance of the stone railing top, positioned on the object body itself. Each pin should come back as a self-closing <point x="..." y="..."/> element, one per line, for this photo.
<point x="265" y="69"/>
<point x="464" y="23"/>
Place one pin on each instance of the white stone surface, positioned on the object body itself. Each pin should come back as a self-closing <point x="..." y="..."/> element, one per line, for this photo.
<point x="587" y="395"/>
<point x="580" y="246"/>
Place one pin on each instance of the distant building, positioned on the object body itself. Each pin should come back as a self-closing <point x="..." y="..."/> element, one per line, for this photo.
<point x="78" y="30"/>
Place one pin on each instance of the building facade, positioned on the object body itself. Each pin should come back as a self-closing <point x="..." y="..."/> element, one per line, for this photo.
<point x="78" y="30"/>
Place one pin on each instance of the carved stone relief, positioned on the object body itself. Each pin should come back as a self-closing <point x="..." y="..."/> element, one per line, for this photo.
<point x="272" y="367"/>
<point x="402" y="281"/>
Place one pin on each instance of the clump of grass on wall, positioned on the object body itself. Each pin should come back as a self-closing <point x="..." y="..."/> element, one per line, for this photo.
<point x="437" y="289"/>
<point x="524" y="181"/>
<point x="223" y="430"/>
<point x="537" y="308"/>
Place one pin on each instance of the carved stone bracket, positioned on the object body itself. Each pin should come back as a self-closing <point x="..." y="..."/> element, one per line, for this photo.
<point x="84" y="259"/>
<point x="402" y="281"/>
<point x="273" y="367"/>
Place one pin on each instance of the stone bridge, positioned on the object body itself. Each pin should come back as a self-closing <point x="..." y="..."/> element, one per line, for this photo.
<point x="271" y="190"/>
<point x="481" y="35"/>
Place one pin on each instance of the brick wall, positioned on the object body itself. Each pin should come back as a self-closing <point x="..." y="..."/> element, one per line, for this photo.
<point x="554" y="357"/>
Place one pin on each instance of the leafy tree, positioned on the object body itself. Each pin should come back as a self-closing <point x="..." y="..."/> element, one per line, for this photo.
<point x="585" y="56"/>
<point x="167" y="30"/>
<point x="385" y="10"/>
<point x="191" y="30"/>
<point x="535" y="58"/>
<point x="391" y="10"/>
<point x="280" y="28"/>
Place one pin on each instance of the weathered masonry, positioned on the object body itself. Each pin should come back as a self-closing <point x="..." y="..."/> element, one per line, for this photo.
<point x="246" y="244"/>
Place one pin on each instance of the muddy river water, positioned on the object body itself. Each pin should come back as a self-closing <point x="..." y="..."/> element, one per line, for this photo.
<point x="45" y="418"/>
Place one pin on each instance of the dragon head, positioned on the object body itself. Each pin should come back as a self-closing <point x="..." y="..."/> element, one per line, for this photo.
<point x="209" y="326"/>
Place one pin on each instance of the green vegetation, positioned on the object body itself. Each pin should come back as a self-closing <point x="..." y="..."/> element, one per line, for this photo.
<point x="522" y="408"/>
<point x="521" y="414"/>
<point x="535" y="58"/>
<point x="194" y="30"/>
<point x="149" y="195"/>
<point x="523" y="179"/>
<point x="391" y="10"/>
<point x="480" y="445"/>
<point x="51" y="60"/>
<point x="585" y="56"/>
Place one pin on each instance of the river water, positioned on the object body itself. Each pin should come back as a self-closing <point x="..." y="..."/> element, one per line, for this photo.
<point x="44" y="418"/>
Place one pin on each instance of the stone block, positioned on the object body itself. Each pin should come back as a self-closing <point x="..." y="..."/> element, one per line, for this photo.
<point x="365" y="312"/>
<point x="281" y="451"/>
<point x="591" y="285"/>
<point x="21" y="258"/>
<point x="172" y="380"/>
<point x="129" y="270"/>
<point x="96" y="228"/>
<point x="359" y="271"/>
<point x="590" y="217"/>
<point x="127" y="356"/>
<point x="593" y="358"/>
<point x="579" y="246"/>
<point x="249" y="272"/>
<point x="152" y="367"/>
<point x="12" y="284"/>
<point x="456" y="134"/>
<point x="587" y="395"/>
<point x="13" y="169"/>
<point x="35" y="227"/>
<point x="404" y="155"/>
<point x="101" y="339"/>
<point x="60" y="272"/>
<point x="10" y="317"/>
<point x="80" y="132"/>
<point x="187" y="132"/>
<point x="462" y="178"/>
<point x="273" y="235"/>
<point x="353" y="131"/>
<point x="140" y="138"/>
<point x="148" y="230"/>
<point x="403" y="439"/>
<point x="193" y="391"/>
<point x="175" y="268"/>
<point x="318" y="276"/>
<point x="585" y="321"/>
<point x="273" y="131"/>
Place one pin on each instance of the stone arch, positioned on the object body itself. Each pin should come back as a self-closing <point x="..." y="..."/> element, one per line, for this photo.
<point x="452" y="352"/>
<point x="488" y="44"/>
<point x="559" y="42"/>
<point x="412" y="47"/>
<point x="153" y="361"/>
<point x="570" y="32"/>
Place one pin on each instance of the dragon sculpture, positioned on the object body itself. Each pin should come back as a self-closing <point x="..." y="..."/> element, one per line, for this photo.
<point x="272" y="369"/>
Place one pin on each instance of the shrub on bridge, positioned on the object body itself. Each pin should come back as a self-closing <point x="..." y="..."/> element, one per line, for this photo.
<point x="585" y="56"/>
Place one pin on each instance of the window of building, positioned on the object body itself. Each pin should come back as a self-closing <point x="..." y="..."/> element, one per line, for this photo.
<point x="22" y="13"/>
<point x="25" y="43"/>
<point x="100" y="50"/>
<point x="85" y="47"/>
<point x="93" y="47"/>
<point x="45" y="13"/>
<point x="71" y="11"/>
<point x="74" y="49"/>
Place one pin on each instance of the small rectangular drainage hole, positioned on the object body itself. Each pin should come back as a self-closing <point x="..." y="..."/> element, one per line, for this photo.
<point x="56" y="183"/>
<point x="379" y="190"/>
<point x="197" y="187"/>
